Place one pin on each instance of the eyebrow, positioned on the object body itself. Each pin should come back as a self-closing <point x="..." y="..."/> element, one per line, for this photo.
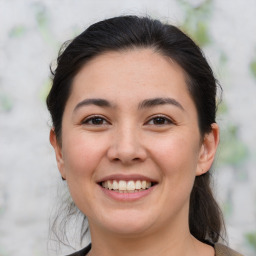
<point x="148" y="103"/>
<point x="96" y="102"/>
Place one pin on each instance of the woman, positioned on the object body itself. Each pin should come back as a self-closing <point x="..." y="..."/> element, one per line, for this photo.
<point x="133" y="109"/>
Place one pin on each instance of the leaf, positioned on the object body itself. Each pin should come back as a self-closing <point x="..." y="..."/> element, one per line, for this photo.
<point x="43" y="23"/>
<point x="232" y="150"/>
<point x="17" y="31"/>
<point x="196" y="21"/>
<point x="253" y="68"/>
<point x="5" y="103"/>
<point x="222" y="108"/>
<point x="251" y="239"/>
<point x="41" y="15"/>
<point x="201" y="34"/>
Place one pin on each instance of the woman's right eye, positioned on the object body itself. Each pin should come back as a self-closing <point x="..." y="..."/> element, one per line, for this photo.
<point x="95" y="120"/>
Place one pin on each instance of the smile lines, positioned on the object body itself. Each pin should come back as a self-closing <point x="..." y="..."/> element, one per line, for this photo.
<point x="123" y="186"/>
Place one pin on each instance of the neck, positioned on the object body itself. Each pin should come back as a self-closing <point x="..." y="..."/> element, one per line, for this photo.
<point x="161" y="243"/>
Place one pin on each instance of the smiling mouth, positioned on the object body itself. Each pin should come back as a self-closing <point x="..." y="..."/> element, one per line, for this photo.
<point x="130" y="186"/>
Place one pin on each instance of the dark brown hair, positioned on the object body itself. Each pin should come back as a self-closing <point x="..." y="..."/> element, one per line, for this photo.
<point x="127" y="32"/>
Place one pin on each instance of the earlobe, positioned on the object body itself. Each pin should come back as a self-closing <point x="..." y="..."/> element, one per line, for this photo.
<point x="208" y="150"/>
<point x="58" y="153"/>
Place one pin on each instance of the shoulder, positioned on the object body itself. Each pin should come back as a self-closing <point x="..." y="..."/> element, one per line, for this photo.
<point x="83" y="252"/>
<point x="222" y="250"/>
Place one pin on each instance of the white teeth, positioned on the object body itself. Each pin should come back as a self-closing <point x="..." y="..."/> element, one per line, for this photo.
<point x="122" y="185"/>
<point x="130" y="185"/>
<point x="138" y="184"/>
<point x="126" y="186"/>
<point x="115" y="185"/>
<point x="109" y="184"/>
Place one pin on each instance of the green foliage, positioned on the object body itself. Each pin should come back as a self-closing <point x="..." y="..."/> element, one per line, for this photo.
<point x="253" y="68"/>
<point x="196" y="22"/>
<point x="17" y="31"/>
<point x="5" y="103"/>
<point x="41" y="15"/>
<point x="42" y="19"/>
<point x="222" y="108"/>
<point x="233" y="151"/>
<point x="251" y="240"/>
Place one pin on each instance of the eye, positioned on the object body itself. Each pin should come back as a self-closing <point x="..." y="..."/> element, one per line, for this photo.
<point x="95" y="120"/>
<point x="159" y="120"/>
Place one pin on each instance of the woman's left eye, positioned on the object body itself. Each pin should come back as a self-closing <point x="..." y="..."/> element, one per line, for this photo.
<point x="159" y="120"/>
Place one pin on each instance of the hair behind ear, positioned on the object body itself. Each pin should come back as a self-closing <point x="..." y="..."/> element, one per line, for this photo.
<point x="205" y="217"/>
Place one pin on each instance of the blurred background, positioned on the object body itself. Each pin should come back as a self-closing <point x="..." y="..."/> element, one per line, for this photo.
<point x="31" y="33"/>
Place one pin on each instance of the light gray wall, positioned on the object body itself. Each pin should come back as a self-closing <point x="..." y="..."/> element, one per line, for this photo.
<point x="30" y="34"/>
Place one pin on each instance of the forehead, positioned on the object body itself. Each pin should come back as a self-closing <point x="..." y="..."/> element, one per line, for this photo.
<point x="133" y="70"/>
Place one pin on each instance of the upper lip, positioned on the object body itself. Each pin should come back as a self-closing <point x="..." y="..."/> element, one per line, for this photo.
<point x="126" y="178"/>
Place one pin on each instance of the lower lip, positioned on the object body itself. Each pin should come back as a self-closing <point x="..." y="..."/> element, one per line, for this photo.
<point x="127" y="196"/>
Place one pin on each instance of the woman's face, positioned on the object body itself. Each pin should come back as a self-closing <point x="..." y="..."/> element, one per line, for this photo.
<point x="131" y="146"/>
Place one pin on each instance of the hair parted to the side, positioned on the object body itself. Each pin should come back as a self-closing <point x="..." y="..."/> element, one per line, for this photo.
<point x="131" y="32"/>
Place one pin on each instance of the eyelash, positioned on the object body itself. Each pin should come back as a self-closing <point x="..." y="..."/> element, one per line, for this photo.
<point x="94" y="118"/>
<point x="162" y="118"/>
<point x="103" y="121"/>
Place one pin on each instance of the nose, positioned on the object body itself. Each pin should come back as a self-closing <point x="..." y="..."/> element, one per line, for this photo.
<point x="126" y="146"/>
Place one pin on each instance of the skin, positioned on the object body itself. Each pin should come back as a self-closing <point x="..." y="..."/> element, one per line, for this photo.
<point x="129" y="140"/>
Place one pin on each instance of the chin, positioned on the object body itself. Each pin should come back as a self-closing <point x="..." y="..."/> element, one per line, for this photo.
<point x="129" y="225"/>
<point x="129" y="230"/>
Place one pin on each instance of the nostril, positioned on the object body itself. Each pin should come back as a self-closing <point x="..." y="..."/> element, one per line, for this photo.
<point x="136" y="159"/>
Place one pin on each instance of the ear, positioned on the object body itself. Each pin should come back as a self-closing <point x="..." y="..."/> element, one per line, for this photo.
<point x="208" y="150"/>
<point x="58" y="153"/>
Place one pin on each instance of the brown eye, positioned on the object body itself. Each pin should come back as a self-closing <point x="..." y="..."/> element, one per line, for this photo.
<point x="95" y="120"/>
<point x="159" y="120"/>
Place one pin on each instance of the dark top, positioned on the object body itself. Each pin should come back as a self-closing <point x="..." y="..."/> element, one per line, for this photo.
<point x="220" y="250"/>
<point x="83" y="252"/>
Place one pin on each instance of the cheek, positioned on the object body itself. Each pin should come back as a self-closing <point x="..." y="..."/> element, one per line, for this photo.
<point x="176" y="159"/>
<point x="177" y="156"/>
<point x="81" y="155"/>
